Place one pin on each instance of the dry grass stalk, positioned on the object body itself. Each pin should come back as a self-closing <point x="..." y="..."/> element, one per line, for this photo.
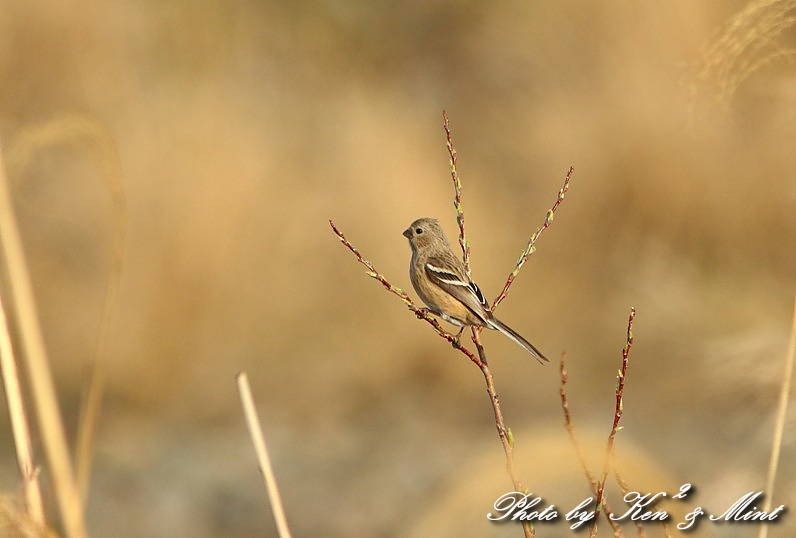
<point x="91" y="139"/>
<point x="19" y="425"/>
<point x="609" y="450"/>
<point x="258" y="439"/>
<point x="779" y="424"/>
<point x="16" y="521"/>
<point x="746" y="43"/>
<point x="70" y="502"/>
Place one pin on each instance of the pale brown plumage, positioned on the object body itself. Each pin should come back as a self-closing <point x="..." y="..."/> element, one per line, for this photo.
<point x="439" y="279"/>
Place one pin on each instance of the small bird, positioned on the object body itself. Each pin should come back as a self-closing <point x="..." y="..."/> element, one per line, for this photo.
<point x="440" y="280"/>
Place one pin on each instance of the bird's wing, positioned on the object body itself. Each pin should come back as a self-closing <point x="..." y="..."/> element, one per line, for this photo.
<point x="448" y="273"/>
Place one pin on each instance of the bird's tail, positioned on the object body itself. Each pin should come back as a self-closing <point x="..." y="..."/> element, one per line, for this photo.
<point x="525" y="344"/>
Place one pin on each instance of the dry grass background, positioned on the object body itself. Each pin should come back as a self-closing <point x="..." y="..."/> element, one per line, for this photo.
<point x="242" y="126"/>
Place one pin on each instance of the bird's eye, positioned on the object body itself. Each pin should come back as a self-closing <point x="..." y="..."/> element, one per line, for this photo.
<point x="418" y="231"/>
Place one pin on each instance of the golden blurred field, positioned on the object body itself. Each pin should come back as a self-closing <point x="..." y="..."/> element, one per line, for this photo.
<point x="242" y="127"/>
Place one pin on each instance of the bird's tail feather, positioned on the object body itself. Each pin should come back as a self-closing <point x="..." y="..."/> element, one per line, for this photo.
<point x="522" y="342"/>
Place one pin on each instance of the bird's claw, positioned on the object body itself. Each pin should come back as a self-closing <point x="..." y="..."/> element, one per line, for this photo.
<point x="456" y="342"/>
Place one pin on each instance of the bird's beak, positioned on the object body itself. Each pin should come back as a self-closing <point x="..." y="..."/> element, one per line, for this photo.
<point x="407" y="233"/>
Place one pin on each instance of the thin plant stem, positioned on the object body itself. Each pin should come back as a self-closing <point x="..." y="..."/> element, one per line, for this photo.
<point x="779" y="424"/>
<point x="19" y="425"/>
<point x="51" y="428"/>
<point x="504" y="433"/>
<point x="94" y="141"/>
<point x="530" y="248"/>
<point x="457" y="199"/>
<point x="88" y="424"/>
<point x="620" y="389"/>
<point x="570" y="427"/>
<point x="258" y="439"/>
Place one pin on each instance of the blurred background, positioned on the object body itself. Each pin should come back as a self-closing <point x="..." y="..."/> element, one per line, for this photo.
<point x="241" y="127"/>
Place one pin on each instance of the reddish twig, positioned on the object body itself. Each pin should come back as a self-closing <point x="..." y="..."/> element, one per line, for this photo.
<point x="568" y="423"/>
<point x="531" y="247"/>
<point x="620" y="389"/>
<point x="504" y="432"/>
<point x="578" y="450"/>
<point x="421" y="313"/>
<point x="457" y="199"/>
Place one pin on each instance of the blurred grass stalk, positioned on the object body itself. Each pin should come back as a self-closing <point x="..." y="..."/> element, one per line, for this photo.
<point x="51" y="428"/>
<point x="93" y="141"/>
<point x="779" y="424"/>
<point x="258" y="439"/>
<point x="19" y="425"/>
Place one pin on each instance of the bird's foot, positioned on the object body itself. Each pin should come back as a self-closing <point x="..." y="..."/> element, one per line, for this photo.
<point x="456" y="342"/>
